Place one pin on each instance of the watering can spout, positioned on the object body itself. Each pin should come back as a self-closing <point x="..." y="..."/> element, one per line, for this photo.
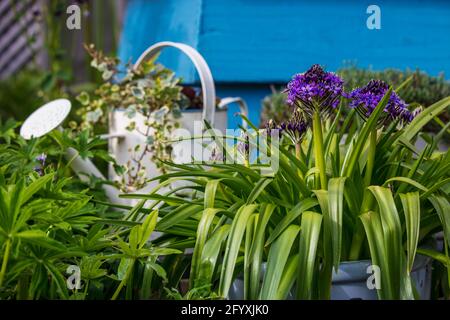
<point x="49" y="117"/>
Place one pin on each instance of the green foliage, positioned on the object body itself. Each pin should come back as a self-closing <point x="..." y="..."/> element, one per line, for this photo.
<point x="50" y="223"/>
<point x="381" y="209"/>
<point x="150" y="95"/>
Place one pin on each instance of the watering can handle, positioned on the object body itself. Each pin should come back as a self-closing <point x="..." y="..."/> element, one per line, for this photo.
<point x="206" y="79"/>
<point x="242" y="106"/>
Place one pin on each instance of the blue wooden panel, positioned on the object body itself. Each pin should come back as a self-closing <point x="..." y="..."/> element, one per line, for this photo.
<point x="269" y="40"/>
<point x="147" y="22"/>
<point x="266" y="41"/>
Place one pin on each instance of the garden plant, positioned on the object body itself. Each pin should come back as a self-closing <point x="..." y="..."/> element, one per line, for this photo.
<point x="351" y="185"/>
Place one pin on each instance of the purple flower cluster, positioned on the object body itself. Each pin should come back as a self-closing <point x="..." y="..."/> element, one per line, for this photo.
<point x="366" y="99"/>
<point x="40" y="168"/>
<point x="295" y="127"/>
<point x="315" y="89"/>
<point x="244" y="146"/>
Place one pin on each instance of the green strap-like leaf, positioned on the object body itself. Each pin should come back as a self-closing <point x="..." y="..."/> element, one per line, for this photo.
<point x="258" y="189"/>
<point x="374" y="231"/>
<point x="335" y="210"/>
<point x="256" y="252"/>
<point x="210" y="254"/>
<point x="233" y="244"/>
<point x="210" y="193"/>
<point x="392" y="232"/>
<point x="278" y="256"/>
<point x="424" y="117"/>
<point x="304" y="205"/>
<point x="309" y="237"/>
<point x="354" y="152"/>
<point x="411" y="209"/>
<point x="202" y="235"/>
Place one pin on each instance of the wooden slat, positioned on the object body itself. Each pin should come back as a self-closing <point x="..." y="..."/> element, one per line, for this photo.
<point x="16" y="27"/>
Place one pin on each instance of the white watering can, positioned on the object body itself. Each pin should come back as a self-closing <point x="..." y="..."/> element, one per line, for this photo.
<point x="51" y="115"/>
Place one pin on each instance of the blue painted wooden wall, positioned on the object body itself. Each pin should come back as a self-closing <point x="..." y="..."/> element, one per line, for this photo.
<point x="250" y="44"/>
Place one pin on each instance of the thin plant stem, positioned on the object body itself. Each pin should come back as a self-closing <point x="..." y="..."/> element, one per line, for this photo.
<point x="124" y="280"/>
<point x="370" y="157"/>
<point x="298" y="155"/>
<point x="86" y="286"/>
<point x="5" y="261"/>
<point x="318" y="150"/>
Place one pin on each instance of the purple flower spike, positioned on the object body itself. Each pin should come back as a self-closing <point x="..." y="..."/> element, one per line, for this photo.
<point x="315" y="89"/>
<point x="40" y="168"/>
<point x="296" y="126"/>
<point x="366" y="99"/>
<point x="244" y="146"/>
<point x="41" y="158"/>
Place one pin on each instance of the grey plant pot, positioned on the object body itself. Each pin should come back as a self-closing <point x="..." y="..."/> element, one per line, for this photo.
<point x="350" y="282"/>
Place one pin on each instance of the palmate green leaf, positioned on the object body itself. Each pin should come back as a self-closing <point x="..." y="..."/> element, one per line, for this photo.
<point x="157" y="268"/>
<point x="35" y="186"/>
<point x="354" y="152"/>
<point x="163" y="251"/>
<point x="278" y="256"/>
<point x="124" y="265"/>
<point x="147" y="228"/>
<point x="232" y="249"/>
<point x="59" y="279"/>
<point x="134" y="239"/>
<point x="411" y="209"/>
<point x="301" y="207"/>
<point x="203" y="230"/>
<point x="309" y="237"/>
<point x="40" y="238"/>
